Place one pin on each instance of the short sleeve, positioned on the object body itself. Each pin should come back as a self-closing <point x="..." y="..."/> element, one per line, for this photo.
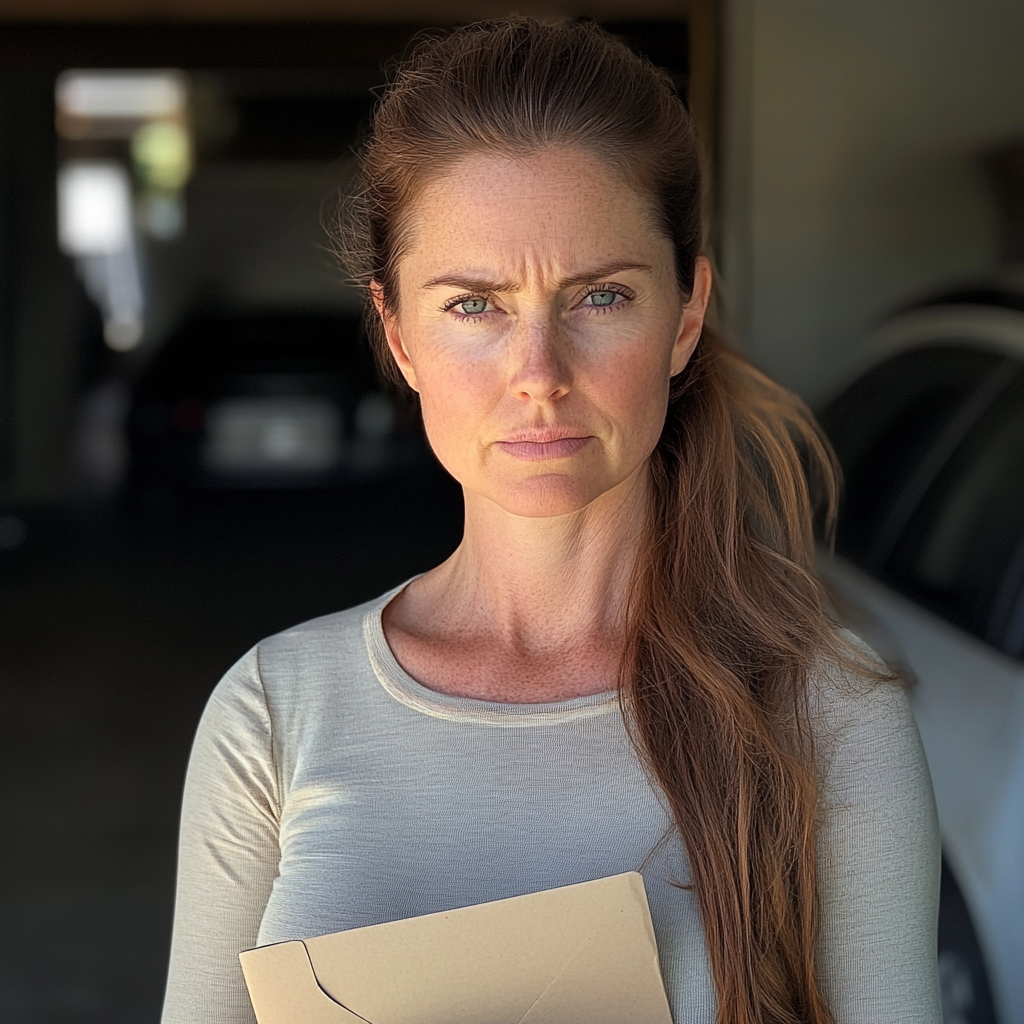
<point x="228" y="853"/>
<point x="878" y="857"/>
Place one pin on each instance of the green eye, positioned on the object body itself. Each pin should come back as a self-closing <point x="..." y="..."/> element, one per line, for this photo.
<point x="602" y="298"/>
<point x="471" y="306"/>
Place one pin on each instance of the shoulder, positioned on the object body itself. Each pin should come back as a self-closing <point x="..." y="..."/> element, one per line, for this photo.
<point x="327" y="638"/>
<point x="866" y="740"/>
<point x="295" y="668"/>
<point x="855" y="698"/>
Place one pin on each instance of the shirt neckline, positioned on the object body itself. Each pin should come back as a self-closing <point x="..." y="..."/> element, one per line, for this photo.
<point x="469" y="710"/>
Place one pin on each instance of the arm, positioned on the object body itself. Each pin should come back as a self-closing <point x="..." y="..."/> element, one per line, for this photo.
<point x="228" y="853"/>
<point x="878" y="860"/>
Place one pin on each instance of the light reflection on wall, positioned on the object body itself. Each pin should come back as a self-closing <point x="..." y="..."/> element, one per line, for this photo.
<point x="126" y="156"/>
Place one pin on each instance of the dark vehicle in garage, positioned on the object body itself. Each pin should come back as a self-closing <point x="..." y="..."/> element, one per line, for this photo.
<point x="266" y="401"/>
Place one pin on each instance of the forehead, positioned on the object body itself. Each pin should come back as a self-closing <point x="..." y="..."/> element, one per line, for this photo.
<point x="557" y="205"/>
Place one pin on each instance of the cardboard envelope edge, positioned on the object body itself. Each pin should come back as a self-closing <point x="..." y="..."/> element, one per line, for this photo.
<point x="284" y="979"/>
<point x="285" y="988"/>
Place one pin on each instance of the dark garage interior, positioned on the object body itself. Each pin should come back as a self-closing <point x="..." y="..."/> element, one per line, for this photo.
<point x="197" y="451"/>
<point x="135" y="567"/>
<point x="127" y="598"/>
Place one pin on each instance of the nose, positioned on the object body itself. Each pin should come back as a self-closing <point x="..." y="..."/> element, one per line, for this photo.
<point x="541" y="371"/>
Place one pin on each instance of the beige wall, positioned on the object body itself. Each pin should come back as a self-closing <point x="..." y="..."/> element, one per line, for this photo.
<point x="851" y="180"/>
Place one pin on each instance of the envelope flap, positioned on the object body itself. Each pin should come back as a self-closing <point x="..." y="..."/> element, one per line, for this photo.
<point x="284" y="990"/>
<point x="483" y="964"/>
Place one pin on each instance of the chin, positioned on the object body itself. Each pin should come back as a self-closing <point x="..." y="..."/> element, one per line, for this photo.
<point x="546" y="497"/>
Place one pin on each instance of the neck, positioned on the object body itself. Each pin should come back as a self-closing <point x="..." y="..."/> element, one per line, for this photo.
<point x="540" y="582"/>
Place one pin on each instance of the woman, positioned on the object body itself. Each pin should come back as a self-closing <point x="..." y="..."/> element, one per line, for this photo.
<point x="628" y="662"/>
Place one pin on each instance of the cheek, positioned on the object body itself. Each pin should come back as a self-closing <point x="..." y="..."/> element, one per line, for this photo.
<point x="643" y="405"/>
<point x="456" y="396"/>
<point x="633" y="387"/>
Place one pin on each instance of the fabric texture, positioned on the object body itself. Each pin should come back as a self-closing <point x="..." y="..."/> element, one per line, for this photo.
<point x="328" y="790"/>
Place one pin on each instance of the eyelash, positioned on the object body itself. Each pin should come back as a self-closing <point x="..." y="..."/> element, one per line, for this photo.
<point x="450" y="305"/>
<point x="617" y="289"/>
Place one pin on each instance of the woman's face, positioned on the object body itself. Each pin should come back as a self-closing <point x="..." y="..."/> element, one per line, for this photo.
<point x="540" y="321"/>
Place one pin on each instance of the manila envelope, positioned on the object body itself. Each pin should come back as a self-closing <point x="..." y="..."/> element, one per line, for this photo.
<point x="580" y="954"/>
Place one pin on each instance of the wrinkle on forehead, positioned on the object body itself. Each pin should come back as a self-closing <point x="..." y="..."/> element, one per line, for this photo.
<point x="554" y="233"/>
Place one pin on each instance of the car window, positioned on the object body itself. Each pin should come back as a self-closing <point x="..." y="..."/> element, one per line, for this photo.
<point x="963" y="550"/>
<point x="885" y="424"/>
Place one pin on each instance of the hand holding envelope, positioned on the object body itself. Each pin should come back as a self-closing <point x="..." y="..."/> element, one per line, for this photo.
<point x="581" y="954"/>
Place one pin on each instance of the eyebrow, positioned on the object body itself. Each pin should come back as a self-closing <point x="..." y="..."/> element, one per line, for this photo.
<point x="480" y="284"/>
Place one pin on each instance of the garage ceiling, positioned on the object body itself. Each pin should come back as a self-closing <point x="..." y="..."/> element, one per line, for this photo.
<point x="296" y="10"/>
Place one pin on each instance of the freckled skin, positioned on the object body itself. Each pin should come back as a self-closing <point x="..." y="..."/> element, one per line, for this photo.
<point x="541" y="355"/>
<point x="540" y="320"/>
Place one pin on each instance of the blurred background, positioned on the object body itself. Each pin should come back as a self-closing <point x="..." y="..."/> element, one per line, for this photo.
<point x="196" y="450"/>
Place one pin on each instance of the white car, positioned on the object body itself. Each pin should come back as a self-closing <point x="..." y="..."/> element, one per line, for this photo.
<point x="929" y="429"/>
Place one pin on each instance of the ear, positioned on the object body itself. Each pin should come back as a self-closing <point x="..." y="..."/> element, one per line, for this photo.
<point x="394" y="339"/>
<point x="692" y="320"/>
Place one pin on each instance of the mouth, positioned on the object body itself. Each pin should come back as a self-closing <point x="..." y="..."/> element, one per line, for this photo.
<point x="538" y="448"/>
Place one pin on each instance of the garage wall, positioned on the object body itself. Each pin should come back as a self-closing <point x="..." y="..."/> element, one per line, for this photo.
<point x="851" y="180"/>
<point x="41" y="302"/>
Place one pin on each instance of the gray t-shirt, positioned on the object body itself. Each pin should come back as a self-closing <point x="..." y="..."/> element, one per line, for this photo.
<point x="328" y="790"/>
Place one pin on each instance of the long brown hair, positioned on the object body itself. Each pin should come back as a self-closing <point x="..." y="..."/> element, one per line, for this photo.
<point x="726" y="617"/>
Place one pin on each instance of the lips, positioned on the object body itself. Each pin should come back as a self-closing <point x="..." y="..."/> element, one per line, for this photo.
<point x="542" y="450"/>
